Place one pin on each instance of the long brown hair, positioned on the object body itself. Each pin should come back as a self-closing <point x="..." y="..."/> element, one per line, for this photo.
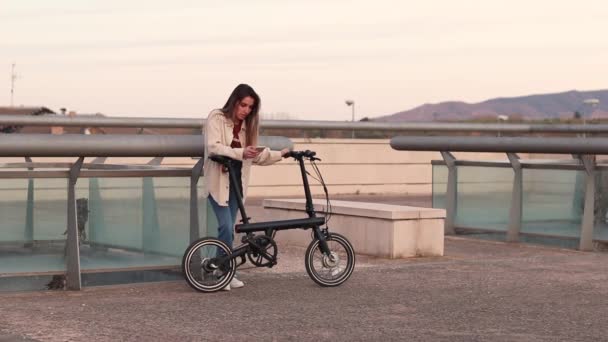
<point x="252" y="120"/>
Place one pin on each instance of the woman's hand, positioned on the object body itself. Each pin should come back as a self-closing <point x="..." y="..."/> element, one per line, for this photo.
<point x="250" y="152"/>
<point x="284" y="152"/>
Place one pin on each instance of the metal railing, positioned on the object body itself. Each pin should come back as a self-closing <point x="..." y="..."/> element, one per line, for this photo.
<point x="160" y="146"/>
<point x="141" y="122"/>
<point x="103" y="146"/>
<point x="583" y="149"/>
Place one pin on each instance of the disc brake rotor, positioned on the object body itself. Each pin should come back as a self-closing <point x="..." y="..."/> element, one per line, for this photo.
<point x="331" y="261"/>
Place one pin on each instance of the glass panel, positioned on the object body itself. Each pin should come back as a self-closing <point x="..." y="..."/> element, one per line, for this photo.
<point x="13" y="211"/>
<point x="115" y="211"/>
<point x="440" y="186"/>
<point x="553" y="202"/>
<point x="600" y="231"/>
<point x="50" y="209"/>
<point x="483" y="197"/>
<point x="32" y="232"/>
<point x="131" y="229"/>
<point x="136" y="227"/>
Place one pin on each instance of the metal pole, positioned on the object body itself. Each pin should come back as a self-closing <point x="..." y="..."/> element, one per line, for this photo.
<point x="353" y="121"/>
<point x="29" y="211"/>
<point x="195" y="232"/>
<point x="13" y="78"/>
<point x="586" y="238"/>
<point x="73" y="252"/>
<point x="515" y="213"/>
<point x="450" y="210"/>
<point x="584" y="124"/>
<point x="197" y="170"/>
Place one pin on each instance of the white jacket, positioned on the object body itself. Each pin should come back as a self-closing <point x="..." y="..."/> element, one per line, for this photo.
<point x="218" y="137"/>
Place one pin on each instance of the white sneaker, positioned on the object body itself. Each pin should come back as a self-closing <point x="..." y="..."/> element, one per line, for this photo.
<point x="235" y="283"/>
<point x="226" y="288"/>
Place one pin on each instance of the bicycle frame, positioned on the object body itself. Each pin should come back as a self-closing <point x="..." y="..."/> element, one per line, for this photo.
<point x="270" y="227"/>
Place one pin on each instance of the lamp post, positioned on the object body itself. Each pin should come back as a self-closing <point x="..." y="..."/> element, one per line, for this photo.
<point x="501" y="118"/>
<point x="592" y="103"/>
<point x="13" y="79"/>
<point x="351" y="103"/>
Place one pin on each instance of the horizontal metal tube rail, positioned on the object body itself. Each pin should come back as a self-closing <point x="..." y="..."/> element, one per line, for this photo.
<point x="99" y="121"/>
<point x="80" y="145"/>
<point x="547" y="145"/>
<point x="536" y="165"/>
<point x="435" y="127"/>
<point x="142" y="122"/>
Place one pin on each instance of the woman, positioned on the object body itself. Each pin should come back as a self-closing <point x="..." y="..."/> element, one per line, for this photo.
<point x="233" y="132"/>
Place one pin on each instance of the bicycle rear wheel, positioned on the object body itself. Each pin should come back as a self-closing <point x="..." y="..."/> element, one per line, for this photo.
<point x="202" y="267"/>
<point x="335" y="268"/>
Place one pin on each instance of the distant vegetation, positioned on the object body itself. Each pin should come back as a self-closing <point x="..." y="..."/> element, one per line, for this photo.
<point x="535" y="108"/>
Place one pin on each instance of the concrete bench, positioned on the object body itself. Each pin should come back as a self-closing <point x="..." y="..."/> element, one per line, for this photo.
<point x="383" y="230"/>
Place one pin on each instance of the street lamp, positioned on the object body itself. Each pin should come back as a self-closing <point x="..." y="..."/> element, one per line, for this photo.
<point x="592" y="103"/>
<point x="501" y="118"/>
<point x="351" y="103"/>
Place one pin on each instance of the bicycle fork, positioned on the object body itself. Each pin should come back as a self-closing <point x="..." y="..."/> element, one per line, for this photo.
<point x="321" y="235"/>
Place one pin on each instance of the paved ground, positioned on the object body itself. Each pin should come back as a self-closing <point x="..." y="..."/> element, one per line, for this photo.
<point x="480" y="291"/>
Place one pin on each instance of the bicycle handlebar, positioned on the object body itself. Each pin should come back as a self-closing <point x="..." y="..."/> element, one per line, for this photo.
<point x="308" y="154"/>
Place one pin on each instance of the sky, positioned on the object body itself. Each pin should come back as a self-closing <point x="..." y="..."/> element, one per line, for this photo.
<point x="305" y="58"/>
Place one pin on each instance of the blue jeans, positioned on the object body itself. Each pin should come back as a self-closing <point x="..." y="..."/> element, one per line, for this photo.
<point x="226" y="218"/>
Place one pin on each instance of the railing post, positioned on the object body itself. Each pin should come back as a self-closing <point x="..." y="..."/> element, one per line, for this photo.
<point x="29" y="211"/>
<point x="197" y="170"/>
<point x="451" y="192"/>
<point x="586" y="236"/>
<point x="73" y="252"/>
<point x="515" y="212"/>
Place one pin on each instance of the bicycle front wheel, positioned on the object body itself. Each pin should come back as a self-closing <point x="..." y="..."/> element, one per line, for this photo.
<point x="334" y="268"/>
<point x="202" y="266"/>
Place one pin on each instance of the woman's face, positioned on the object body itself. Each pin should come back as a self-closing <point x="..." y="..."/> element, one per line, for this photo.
<point x="243" y="108"/>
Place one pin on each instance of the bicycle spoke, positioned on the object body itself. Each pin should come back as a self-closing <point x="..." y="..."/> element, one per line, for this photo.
<point x="318" y="255"/>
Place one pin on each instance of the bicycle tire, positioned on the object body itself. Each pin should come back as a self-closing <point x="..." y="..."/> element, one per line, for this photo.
<point x="194" y="273"/>
<point x="324" y="275"/>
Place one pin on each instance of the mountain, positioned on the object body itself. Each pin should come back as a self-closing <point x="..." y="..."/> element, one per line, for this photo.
<point x="531" y="107"/>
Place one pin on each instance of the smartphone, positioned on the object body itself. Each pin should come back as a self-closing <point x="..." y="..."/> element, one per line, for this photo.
<point x="260" y="148"/>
